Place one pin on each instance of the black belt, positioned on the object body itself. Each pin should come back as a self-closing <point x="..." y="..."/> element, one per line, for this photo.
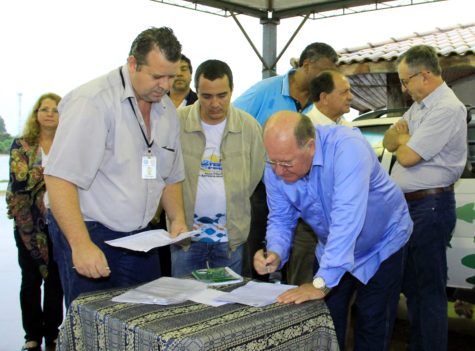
<point x="420" y="194"/>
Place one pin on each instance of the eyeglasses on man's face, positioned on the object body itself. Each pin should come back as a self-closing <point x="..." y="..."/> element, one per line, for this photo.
<point x="48" y="110"/>
<point x="405" y="82"/>
<point x="289" y="164"/>
<point x="283" y="164"/>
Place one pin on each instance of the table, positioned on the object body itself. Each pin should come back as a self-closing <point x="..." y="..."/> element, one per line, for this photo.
<point x="95" y="322"/>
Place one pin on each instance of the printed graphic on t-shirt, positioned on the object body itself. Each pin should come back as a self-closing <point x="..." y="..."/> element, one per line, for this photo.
<point x="210" y="206"/>
<point x="212" y="229"/>
<point x="211" y="164"/>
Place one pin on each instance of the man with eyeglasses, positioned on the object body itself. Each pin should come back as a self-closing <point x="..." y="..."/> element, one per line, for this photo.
<point x="116" y="154"/>
<point x="331" y="95"/>
<point x="291" y="92"/>
<point x="331" y="177"/>
<point x="430" y="143"/>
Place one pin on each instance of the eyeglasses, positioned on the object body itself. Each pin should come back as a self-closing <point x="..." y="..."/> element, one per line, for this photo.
<point x="283" y="164"/>
<point x="291" y="163"/>
<point x="47" y="110"/>
<point x="405" y="82"/>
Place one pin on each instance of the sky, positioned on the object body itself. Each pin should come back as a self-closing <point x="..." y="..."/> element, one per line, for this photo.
<point x="57" y="45"/>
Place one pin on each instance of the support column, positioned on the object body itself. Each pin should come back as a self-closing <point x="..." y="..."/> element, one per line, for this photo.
<point x="269" y="45"/>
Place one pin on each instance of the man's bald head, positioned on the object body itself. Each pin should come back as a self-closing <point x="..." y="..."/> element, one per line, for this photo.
<point x="289" y="125"/>
<point x="289" y="139"/>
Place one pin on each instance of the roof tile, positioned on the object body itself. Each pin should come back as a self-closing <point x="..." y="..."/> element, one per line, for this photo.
<point x="454" y="40"/>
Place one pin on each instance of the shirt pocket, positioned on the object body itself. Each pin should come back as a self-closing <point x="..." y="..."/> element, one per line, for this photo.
<point x="166" y="159"/>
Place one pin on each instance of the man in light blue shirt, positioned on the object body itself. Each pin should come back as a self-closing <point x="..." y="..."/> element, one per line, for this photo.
<point x="330" y="177"/>
<point x="289" y="92"/>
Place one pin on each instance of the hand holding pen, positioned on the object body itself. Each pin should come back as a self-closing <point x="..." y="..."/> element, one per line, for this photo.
<point x="266" y="262"/>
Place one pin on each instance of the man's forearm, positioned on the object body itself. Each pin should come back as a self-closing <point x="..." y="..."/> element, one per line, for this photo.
<point x="391" y="139"/>
<point x="172" y="202"/>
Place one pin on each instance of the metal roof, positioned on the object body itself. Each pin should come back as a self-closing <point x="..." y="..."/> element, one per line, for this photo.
<point x="271" y="12"/>
<point x="280" y="9"/>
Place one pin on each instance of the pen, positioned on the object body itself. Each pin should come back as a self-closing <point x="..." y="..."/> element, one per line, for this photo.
<point x="264" y="242"/>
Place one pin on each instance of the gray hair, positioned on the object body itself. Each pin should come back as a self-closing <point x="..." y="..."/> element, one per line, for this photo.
<point x="422" y="57"/>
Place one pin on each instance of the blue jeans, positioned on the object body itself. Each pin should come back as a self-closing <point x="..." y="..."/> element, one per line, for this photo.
<point x="425" y="276"/>
<point x="375" y="305"/>
<point x="127" y="267"/>
<point x="199" y="254"/>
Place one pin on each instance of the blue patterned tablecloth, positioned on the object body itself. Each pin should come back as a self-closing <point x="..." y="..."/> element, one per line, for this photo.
<point x="94" y="322"/>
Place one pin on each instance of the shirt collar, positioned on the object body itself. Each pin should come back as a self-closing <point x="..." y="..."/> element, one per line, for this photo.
<point x="286" y="83"/>
<point x="193" y="123"/>
<point x="434" y="97"/>
<point x="128" y="91"/>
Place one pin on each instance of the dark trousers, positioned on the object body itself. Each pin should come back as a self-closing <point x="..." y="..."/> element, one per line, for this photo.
<point x="163" y="251"/>
<point x="302" y="262"/>
<point x="128" y="268"/>
<point x="39" y="319"/>
<point x="257" y="233"/>
<point x="375" y="305"/>
<point x="425" y="276"/>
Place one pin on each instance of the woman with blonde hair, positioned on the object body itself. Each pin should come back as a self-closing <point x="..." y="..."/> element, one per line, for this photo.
<point x="26" y="206"/>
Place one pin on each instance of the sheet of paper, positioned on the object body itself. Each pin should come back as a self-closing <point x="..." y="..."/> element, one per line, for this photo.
<point x="162" y="291"/>
<point x="145" y="241"/>
<point x="209" y="297"/>
<point x="257" y="294"/>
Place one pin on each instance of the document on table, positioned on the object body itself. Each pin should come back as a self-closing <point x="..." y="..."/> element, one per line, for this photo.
<point x="256" y="294"/>
<point x="162" y="291"/>
<point x="145" y="241"/>
<point x="209" y="297"/>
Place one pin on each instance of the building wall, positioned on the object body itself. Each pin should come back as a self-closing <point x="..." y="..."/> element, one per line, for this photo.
<point x="465" y="90"/>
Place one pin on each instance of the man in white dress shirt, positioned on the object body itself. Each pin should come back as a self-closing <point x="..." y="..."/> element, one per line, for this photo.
<point x="331" y="95"/>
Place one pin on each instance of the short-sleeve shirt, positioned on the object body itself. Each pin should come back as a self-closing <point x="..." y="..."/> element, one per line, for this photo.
<point x="438" y="129"/>
<point x="99" y="147"/>
<point x="269" y="96"/>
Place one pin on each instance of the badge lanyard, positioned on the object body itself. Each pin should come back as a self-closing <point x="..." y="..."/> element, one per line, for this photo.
<point x="149" y="162"/>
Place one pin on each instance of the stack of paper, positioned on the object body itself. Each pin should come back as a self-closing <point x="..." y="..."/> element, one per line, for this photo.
<point x="162" y="291"/>
<point x="256" y="294"/>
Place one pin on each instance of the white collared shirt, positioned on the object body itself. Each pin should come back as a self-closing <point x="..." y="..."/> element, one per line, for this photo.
<point x="319" y="118"/>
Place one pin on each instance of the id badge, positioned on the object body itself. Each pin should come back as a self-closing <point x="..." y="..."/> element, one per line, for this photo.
<point x="149" y="167"/>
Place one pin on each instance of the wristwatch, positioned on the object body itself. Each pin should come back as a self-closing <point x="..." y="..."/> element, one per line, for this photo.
<point x="319" y="283"/>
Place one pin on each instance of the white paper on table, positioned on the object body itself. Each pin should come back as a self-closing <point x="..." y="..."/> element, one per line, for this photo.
<point x="162" y="291"/>
<point x="256" y="294"/>
<point x="145" y="241"/>
<point x="209" y="297"/>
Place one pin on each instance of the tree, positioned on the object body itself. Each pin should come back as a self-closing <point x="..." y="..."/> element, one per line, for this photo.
<point x="2" y="126"/>
<point x="5" y="138"/>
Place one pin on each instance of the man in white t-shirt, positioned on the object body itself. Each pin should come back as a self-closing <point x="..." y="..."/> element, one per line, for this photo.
<point x="224" y="160"/>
